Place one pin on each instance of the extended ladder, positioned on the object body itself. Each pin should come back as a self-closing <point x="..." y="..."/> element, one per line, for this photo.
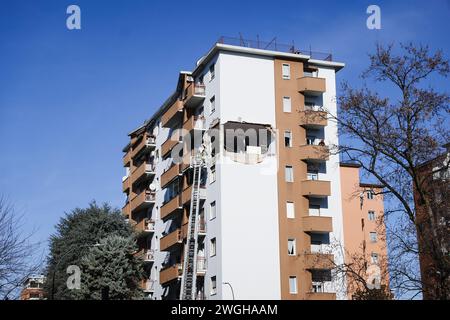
<point x="189" y="277"/>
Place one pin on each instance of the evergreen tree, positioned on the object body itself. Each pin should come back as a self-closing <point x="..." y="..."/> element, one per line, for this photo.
<point x="111" y="271"/>
<point x="76" y="233"/>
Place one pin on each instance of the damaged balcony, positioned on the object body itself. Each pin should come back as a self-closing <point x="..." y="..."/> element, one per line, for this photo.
<point x="194" y="95"/>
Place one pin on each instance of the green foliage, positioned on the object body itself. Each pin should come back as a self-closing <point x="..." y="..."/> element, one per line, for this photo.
<point x="75" y="233"/>
<point x="111" y="271"/>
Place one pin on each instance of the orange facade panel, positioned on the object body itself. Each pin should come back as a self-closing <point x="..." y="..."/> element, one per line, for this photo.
<point x="310" y="118"/>
<point x="314" y="152"/>
<point x="319" y="261"/>
<point x="317" y="224"/>
<point x="316" y="188"/>
<point x="320" y="296"/>
<point x="311" y="85"/>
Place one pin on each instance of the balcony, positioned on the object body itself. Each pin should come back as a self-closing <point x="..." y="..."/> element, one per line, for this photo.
<point x="186" y="195"/>
<point x="142" y="172"/>
<point x="171" y="240"/>
<point x="195" y="94"/>
<point x="311" y="85"/>
<point x="145" y="226"/>
<point x="319" y="261"/>
<point x="170" y="273"/>
<point x="202" y="227"/>
<point x="148" y="285"/>
<point x="126" y="184"/>
<point x="310" y="152"/>
<point x="320" y="296"/>
<point x="127" y="159"/>
<point x="146" y="143"/>
<point x="316" y="188"/>
<point x="201" y="266"/>
<point x="126" y="209"/>
<point x="170" y="175"/>
<point x="172" y="114"/>
<point x="142" y="201"/>
<point x="194" y="123"/>
<point x="149" y="256"/>
<point x="168" y="145"/>
<point x="317" y="224"/>
<point x="313" y="119"/>
<point x="170" y="207"/>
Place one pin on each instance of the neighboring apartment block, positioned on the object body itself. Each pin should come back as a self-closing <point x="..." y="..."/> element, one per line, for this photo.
<point x="434" y="177"/>
<point x="33" y="288"/>
<point x="267" y="206"/>
<point x="364" y="228"/>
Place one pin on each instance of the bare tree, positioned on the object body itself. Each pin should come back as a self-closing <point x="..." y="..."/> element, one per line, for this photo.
<point x="391" y="137"/>
<point x="17" y="252"/>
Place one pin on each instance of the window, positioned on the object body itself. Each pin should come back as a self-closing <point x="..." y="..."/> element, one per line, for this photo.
<point x="291" y="247"/>
<point x="287" y="107"/>
<point x="289" y="174"/>
<point x="212" y="71"/>
<point x="370" y="194"/>
<point x="213" y="285"/>
<point x="373" y="237"/>
<point x="212" y="104"/>
<point x="212" y="210"/>
<point x="374" y="257"/>
<point x="212" y="247"/>
<point x="288" y="139"/>
<point x="213" y="174"/>
<point x="292" y="285"/>
<point x="371" y="215"/>
<point x="290" y="210"/>
<point x="286" y="70"/>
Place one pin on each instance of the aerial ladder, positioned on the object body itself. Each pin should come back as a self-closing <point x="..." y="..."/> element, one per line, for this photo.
<point x="189" y="275"/>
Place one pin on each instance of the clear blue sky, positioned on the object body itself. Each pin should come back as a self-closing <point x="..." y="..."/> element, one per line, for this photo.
<point x="69" y="98"/>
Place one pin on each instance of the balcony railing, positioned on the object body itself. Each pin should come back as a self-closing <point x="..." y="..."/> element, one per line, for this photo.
<point x="313" y="119"/>
<point x="168" y="145"/>
<point x="170" y="207"/>
<point x="195" y="123"/>
<point x="194" y="94"/>
<point x="172" y="114"/>
<point x="201" y="265"/>
<point x="317" y="224"/>
<point x="169" y="175"/>
<point x="149" y="285"/>
<point x="316" y="188"/>
<point x="149" y="225"/>
<point x="319" y="261"/>
<point x="143" y="171"/>
<point x="310" y="152"/>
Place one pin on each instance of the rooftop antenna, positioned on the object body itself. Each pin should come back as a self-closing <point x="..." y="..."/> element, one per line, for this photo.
<point x="241" y="39"/>
<point x="273" y="40"/>
<point x="257" y="40"/>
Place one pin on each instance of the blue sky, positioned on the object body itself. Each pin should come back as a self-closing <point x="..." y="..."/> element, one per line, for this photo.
<point x="69" y="98"/>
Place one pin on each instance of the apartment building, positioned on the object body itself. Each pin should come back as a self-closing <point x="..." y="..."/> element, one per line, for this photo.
<point x="364" y="229"/>
<point x="268" y="191"/>
<point x="33" y="288"/>
<point x="434" y="177"/>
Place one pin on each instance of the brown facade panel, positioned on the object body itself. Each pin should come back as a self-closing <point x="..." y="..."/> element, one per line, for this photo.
<point x="126" y="184"/>
<point x="170" y="207"/>
<point x="172" y="113"/>
<point x="170" y="174"/>
<point x="146" y="141"/>
<point x="168" y="145"/>
<point x="127" y="159"/>
<point x="170" y="273"/>
<point x="171" y="239"/>
<point x="317" y="224"/>
<point x="317" y="188"/>
<point x="142" y="171"/>
<point x="311" y="85"/>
